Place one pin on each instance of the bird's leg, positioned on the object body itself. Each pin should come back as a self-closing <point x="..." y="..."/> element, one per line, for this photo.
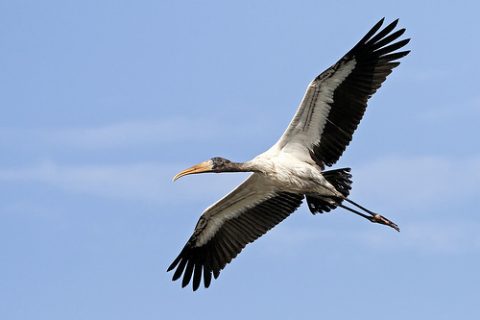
<point x="372" y="216"/>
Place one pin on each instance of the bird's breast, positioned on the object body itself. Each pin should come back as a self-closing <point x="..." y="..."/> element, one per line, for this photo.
<point x="295" y="176"/>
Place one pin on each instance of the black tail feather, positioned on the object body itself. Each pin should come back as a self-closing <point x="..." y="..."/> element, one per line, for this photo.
<point x="341" y="179"/>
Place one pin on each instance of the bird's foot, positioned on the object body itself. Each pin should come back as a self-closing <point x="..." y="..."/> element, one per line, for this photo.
<point x="377" y="218"/>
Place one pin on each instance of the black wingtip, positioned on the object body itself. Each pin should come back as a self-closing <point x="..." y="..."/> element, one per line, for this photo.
<point x="377" y="26"/>
<point x="370" y="33"/>
<point x="197" y="276"/>
<point x="170" y="268"/>
<point x="174" y="263"/>
<point x="393" y="24"/>
<point x="179" y="270"/>
<point x="207" y="276"/>
<point x="188" y="274"/>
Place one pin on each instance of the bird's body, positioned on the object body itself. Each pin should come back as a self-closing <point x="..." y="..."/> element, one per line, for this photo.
<point x="292" y="171"/>
<point x="294" y="167"/>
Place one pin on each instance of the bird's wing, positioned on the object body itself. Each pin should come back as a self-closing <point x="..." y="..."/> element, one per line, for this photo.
<point x="229" y="225"/>
<point x="335" y="101"/>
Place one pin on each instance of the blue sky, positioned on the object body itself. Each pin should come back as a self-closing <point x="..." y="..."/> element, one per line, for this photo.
<point x="103" y="102"/>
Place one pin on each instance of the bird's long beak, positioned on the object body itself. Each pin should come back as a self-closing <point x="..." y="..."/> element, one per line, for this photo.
<point x="205" y="166"/>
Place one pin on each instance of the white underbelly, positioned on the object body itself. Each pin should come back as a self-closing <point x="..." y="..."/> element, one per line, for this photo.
<point x="301" y="178"/>
<point x="294" y="172"/>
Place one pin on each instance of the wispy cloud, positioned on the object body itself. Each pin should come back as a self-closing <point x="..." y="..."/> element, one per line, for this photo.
<point x="452" y="112"/>
<point x="423" y="75"/>
<point x="428" y="237"/>
<point x="147" y="182"/>
<point x="418" y="181"/>
<point x="135" y="133"/>
<point x="132" y="133"/>
<point x="447" y="237"/>
<point x="123" y="181"/>
<point x="139" y="181"/>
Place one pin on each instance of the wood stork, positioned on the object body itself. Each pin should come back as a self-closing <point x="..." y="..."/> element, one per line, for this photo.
<point x="292" y="169"/>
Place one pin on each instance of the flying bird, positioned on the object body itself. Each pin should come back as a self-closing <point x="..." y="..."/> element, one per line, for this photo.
<point x="293" y="168"/>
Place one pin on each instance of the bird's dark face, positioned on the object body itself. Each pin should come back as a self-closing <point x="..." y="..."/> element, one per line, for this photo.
<point x="216" y="164"/>
<point x="220" y="164"/>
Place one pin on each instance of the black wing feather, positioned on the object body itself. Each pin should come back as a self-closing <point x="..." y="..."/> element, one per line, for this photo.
<point x="230" y="239"/>
<point x="375" y="57"/>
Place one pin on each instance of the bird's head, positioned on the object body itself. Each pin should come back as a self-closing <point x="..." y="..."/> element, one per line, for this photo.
<point x="216" y="164"/>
